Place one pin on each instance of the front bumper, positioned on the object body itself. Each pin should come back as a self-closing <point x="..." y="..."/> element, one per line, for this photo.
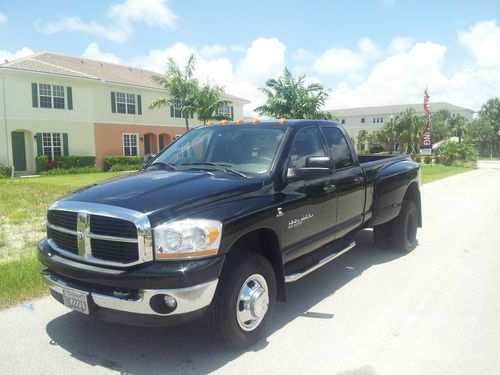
<point x="137" y="295"/>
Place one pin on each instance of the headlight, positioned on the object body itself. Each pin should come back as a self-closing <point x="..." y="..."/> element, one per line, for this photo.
<point x="190" y="238"/>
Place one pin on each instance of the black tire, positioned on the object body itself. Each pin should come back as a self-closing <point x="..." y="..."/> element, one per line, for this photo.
<point x="226" y="310"/>
<point x="404" y="228"/>
<point x="382" y="235"/>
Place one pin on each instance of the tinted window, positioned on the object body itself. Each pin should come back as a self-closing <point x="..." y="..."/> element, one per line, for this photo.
<point x="306" y="143"/>
<point x="339" y="149"/>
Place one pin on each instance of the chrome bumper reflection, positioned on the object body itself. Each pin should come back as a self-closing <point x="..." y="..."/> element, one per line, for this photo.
<point x="188" y="299"/>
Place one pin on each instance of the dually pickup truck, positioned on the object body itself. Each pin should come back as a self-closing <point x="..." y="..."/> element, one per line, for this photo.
<point x="220" y="221"/>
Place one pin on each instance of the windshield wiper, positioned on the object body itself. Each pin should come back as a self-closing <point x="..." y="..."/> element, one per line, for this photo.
<point x="169" y="166"/>
<point x="221" y="167"/>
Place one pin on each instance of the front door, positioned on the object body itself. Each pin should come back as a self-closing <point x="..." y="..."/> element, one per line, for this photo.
<point x="147" y="144"/>
<point x="18" y="151"/>
<point x="311" y="208"/>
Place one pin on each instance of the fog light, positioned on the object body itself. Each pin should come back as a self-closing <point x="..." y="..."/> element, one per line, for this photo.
<point x="170" y="302"/>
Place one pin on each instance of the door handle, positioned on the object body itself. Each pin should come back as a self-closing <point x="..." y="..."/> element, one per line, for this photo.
<point x="359" y="180"/>
<point x="329" y="188"/>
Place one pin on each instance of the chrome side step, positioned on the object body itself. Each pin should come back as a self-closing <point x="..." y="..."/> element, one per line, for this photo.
<point x="298" y="275"/>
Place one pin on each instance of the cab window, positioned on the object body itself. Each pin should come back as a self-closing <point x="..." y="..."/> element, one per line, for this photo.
<point x="306" y="143"/>
<point x="338" y="147"/>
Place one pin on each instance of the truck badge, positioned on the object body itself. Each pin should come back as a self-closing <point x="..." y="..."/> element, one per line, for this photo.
<point x="280" y="212"/>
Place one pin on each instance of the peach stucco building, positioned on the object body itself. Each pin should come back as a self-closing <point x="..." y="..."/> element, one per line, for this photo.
<point x="52" y="104"/>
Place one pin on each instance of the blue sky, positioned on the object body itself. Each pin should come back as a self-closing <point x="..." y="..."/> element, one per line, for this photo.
<point x="368" y="53"/>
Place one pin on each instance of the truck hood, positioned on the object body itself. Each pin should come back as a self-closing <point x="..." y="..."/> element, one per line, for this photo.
<point x="164" y="194"/>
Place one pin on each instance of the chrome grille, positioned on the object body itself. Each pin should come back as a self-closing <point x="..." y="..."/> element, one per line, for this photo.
<point x="99" y="233"/>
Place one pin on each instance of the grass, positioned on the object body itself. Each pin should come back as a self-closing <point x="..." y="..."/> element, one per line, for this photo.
<point x="436" y="172"/>
<point x="23" y="206"/>
<point x="20" y="279"/>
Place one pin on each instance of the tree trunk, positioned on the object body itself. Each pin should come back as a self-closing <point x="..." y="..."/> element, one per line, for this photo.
<point x="187" y="123"/>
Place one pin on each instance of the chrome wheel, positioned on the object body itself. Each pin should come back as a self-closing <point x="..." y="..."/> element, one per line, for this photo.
<point x="252" y="303"/>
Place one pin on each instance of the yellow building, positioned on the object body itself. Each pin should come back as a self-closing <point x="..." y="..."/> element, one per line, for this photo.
<point x="52" y="104"/>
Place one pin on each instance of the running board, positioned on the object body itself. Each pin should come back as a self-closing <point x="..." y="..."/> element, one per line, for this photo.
<point x="298" y="275"/>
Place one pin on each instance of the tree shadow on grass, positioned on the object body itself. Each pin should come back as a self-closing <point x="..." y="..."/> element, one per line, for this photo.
<point x="189" y="348"/>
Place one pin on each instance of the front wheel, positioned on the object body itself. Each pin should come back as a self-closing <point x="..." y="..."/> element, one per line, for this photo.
<point x="244" y="300"/>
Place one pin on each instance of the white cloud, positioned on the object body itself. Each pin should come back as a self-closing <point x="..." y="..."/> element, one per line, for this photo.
<point x="301" y="55"/>
<point x="3" y="18"/>
<point x="400" y="44"/>
<point x="122" y="16"/>
<point x="389" y="3"/>
<point x="336" y="61"/>
<point x="483" y="40"/>
<point x="212" y="50"/>
<point x="94" y="52"/>
<point x="9" y="56"/>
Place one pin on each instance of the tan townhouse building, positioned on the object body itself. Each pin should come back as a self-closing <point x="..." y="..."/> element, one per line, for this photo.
<point x="53" y="104"/>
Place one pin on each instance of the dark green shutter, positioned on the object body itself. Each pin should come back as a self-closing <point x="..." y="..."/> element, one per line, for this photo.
<point x="34" y="94"/>
<point x="171" y="111"/>
<point x="232" y="113"/>
<point x="139" y="105"/>
<point x="113" y="102"/>
<point x="39" y="144"/>
<point x="65" y="144"/>
<point x="70" y="97"/>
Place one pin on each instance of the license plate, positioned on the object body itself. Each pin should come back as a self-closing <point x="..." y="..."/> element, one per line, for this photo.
<point x="75" y="300"/>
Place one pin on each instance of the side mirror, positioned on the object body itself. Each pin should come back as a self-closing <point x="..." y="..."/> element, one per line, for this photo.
<point x="316" y="166"/>
<point x="147" y="158"/>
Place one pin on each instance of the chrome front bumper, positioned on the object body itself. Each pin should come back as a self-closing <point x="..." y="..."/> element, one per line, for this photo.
<point x="188" y="299"/>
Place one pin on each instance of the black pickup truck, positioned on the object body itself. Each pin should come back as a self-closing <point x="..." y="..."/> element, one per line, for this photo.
<point x="220" y="221"/>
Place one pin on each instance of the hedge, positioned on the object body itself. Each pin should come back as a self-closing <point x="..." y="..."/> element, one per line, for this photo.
<point x="60" y="171"/>
<point x="42" y="163"/>
<point x="124" y="167"/>
<point x="66" y="162"/>
<point x="131" y="161"/>
<point x="5" y="170"/>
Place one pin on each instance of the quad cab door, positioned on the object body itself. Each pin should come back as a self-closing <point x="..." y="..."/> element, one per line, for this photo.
<point x="310" y="208"/>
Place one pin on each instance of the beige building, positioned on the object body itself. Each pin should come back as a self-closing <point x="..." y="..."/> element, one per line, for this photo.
<point x="373" y="118"/>
<point x="52" y="104"/>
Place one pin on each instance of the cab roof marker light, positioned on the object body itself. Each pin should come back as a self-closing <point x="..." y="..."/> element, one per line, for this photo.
<point x="282" y="121"/>
<point x="239" y="122"/>
<point x="209" y="123"/>
<point x="224" y="122"/>
<point x="255" y="121"/>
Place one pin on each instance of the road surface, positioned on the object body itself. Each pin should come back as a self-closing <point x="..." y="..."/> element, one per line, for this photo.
<point x="372" y="311"/>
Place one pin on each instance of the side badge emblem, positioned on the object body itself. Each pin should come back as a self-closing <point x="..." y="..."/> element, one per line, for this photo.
<point x="280" y="212"/>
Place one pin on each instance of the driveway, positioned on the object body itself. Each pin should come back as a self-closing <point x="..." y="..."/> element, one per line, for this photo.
<point x="372" y="311"/>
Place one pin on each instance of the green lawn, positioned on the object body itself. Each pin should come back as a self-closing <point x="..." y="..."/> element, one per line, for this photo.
<point x="435" y="172"/>
<point x="23" y="205"/>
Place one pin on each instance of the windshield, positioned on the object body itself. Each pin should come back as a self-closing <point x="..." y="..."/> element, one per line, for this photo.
<point x="249" y="150"/>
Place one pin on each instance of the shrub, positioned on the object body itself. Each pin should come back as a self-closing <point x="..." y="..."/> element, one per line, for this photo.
<point x="131" y="161"/>
<point x="124" y="167"/>
<point x="427" y="159"/>
<point x="67" y="162"/>
<point x="376" y="149"/>
<point x="60" y="171"/>
<point x="458" y="154"/>
<point x="5" y="170"/>
<point x="42" y="163"/>
<point x="416" y="157"/>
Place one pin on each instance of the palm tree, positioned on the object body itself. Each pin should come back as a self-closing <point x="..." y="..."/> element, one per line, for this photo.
<point x="458" y="124"/>
<point x="490" y="112"/>
<point x="409" y="126"/>
<point x="363" y="137"/>
<point x="181" y="87"/>
<point x="289" y="97"/>
<point x="208" y="99"/>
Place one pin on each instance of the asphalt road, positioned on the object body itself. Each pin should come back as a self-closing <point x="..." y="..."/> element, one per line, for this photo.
<point x="372" y="311"/>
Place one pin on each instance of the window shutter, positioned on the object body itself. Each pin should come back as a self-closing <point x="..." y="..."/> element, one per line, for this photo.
<point x="139" y="105"/>
<point x="171" y="111"/>
<point x="232" y="113"/>
<point x="65" y="144"/>
<point x="39" y="144"/>
<point x="113" y="102"/>
<point x="70" y="97"/>
<point x="34" y="94"/>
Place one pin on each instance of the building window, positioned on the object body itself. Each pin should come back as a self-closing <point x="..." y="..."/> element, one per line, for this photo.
<point x="224" y="110"/>
<point x="52" y="146"/>
<point x="374" y="120"/>
<point x="362" y="120"/>
<point x="125" y="103"/>
<point x="130" y="144"/>
<point x="342" y="121"/>
<point x="51" y="96"/>
<point x="382" y="120"/>
<point x="175" y="111"/>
